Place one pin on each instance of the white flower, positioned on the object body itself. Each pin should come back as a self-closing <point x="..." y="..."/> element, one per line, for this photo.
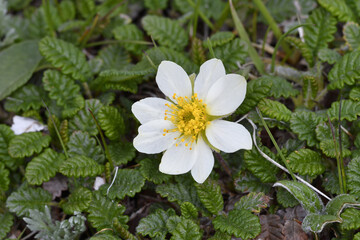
<point x="188" y="125"/>
<point x="22" y="125"/>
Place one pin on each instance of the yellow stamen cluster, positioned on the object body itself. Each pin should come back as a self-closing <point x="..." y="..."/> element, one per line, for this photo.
<point x="189" y="117"/>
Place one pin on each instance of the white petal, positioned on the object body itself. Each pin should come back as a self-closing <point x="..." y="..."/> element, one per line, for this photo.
<point x="22" y="125"/>
<point x="178" y="159"/>
<point x="149" y="109"/>
<point x="226" y="95"/>
<point x="151" y="139"/>
<point x="210" y="71"/>
<point x="205" y="162"/>
<point x="228" y="136"/>
<point x="99" y="181"/>
<point x="171" y="78"/>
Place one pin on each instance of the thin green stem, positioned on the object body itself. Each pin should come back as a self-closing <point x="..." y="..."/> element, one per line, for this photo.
<point x="93" y="44"/>
<point x="276" y="145"/>
<point x="264" y="41"/>
<point x="272" y="24"/>
<point x="88" y="32"/>
<point x="279" y="43"/>
<point x="107" y="153"/>
<point x="343" y="175"/>
<point x="48" y="18"/>
<point x="56" y="130"/>
<point x="223" y="16"/>
<point x="87" y="89"/>
<point x="338" y="162"/>
<point x="210" y="48"/>
<point x="202" y="15"/>
<point x="244" y="36"/>
<point x="195" y="17"/>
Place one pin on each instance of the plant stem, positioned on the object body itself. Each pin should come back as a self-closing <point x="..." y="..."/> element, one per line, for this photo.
<point x="202" y="15"/>
<point x="279" y="42"/>
<point x="56" y="130"/>
<point x="343" y="175"/>
<point x="195" y="18"/>
<point x="212" y="54"/>
<point x="276" y="145"/>
<point x="107" y="153"/>
<point x="223" y="163"/>
<point x="272" y="24"/>
<point x="338" y="162"/>
<point x="244" y="36"/>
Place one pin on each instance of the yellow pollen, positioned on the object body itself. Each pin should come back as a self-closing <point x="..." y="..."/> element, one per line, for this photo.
<point x="189" y="116"/>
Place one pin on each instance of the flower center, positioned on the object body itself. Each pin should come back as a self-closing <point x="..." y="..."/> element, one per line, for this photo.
<point x="189" y="116"/>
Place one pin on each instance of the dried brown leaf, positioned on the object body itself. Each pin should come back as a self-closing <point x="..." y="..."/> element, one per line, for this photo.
<point x="271" y="228"/>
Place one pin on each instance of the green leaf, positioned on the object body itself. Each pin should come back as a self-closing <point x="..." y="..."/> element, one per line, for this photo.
<point x="80" y="143"/>
<point x="67" y="10"/>
<point x="253" y="202"/>
<point x="186" y="229"/>
<point x="331" y="182"/>
<point x="43" y="167"/>
<point x="220" y="38"/>
<point x="353" y="176"/>
<point x="81" y="166"/>
<point x="306" y="162"/>
<point x="26" y="98"/>
<point x="121" y="152"/>
<point x="346" y="71"/>
<point x="114" y="57"/>
<point x="83" y="119"/>
<point x="6" y="134"/>
<point x="355" y="94"/>
<point x="154" y="224"/>
<point x="310" y="87"/>
<point x="6" y="222"/>
<point x="102" y="211"/>
<point x="64" y="91"/>
<point x="130" y="33"/>
<point x="304" y="123"/>
<point x="338" y="8"/>
<point x="86" y="8"/>
<point x="4" y="178"/>
<point x="326" y="138"/>
<point x="320" y="30"/>
<point x="197" y="51"/>
<point x="280" y="87"/>
<point x="308" y="199"/>
<point x="155" y="4"/>
<point x="210" y="195"/>
<point x="158" y="54"/>
<point x="189" y="211"/>
<point x="26" y="144"/>
<point x="351" y="33"/>
<point x="357" y="236"/>
<point x="128" y="182"/>
<point x="336" y="205"/>
<point x="65" y="56"/>
<point x="173" y="221"/>
<point x="305" y="50"/>
<point x="316" y="223"/>
<point x="149" y="168"/>
<point x="220" y="236"/>
<point x="259" y="166"/>
<point x="351" y="219"/>
<point x="240" y="223"/>
<point x="328" y="55"/>
<point x="232" y="53"/>
<point x="286" y="199"/>
<point x="256" y="90"/>
<point x="247" y="182"/>
<point x="24" y="56"/>
<point x="349" y="110"/>
<point x="210" y="8"/>
<point x="111" y="122"/>
<point x="166" y="31"/>
<point x="79" y="200"/>
<point x="104" y="236"/>
<point x="26" y="199"/>
<point x="274" y="109"/>
<point x="179" y="193"/>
